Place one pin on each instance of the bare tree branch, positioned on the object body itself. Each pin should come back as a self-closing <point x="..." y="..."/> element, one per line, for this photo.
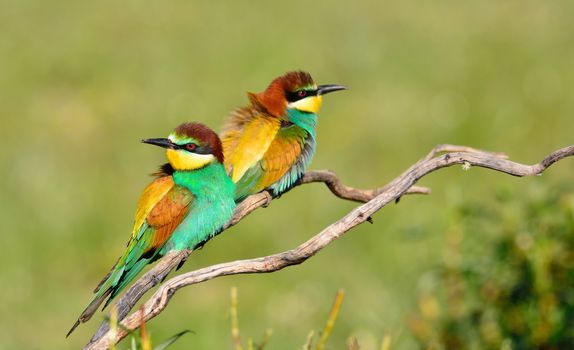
<point x="175" y="259"/>
<point x="375" y="200"/>
<point x="160" y="270"/>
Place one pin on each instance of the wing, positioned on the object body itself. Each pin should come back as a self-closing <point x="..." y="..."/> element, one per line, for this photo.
<point x="161" y="208"/>
<point x="164" y="210"/>
<point x="154" y="231"/>
<point x="246" y="137"/>
<point x="283" y="154"/>
<point x="281" y="165"/>
<point x="150" y="196"/>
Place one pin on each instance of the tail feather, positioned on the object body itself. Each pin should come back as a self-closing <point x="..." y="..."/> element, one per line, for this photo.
<point x="105" y="289"/>
<point x="90" y="310"/>
<point x="114" y="282"/>
<point x="106" y="277"/>
<point x="125" y="279"/>
<point x="128" y="266"/>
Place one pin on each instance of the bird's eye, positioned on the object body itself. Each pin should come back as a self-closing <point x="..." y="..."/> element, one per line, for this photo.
<point x="190" y="147"/>
<point x="302" y="93"/>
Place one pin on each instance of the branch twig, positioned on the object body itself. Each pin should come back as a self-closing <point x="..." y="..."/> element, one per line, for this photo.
<point x="375" y="200"/>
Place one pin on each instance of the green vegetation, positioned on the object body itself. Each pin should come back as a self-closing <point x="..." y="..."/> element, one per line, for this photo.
<point x="82" y="82"/>
<point x="508" y="277"/>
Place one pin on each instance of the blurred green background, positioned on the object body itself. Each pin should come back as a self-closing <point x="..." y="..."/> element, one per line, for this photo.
<point x="82" y="82"/>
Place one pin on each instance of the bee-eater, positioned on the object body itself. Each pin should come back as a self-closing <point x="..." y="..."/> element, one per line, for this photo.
<point x="270" y="143"/>
<point x="183" y="208"/>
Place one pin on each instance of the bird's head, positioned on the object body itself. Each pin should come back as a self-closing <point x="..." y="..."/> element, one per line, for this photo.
<point x="294" y="90"/>
<point x="190" y="146"/>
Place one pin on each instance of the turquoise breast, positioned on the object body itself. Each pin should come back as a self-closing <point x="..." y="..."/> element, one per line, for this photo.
<point x="212" y="206"/>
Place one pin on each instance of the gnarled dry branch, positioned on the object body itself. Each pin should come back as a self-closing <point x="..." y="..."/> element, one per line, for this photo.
<point x="374" y="199"/>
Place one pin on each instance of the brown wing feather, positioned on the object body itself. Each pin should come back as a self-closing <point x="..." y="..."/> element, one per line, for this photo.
<point x="168" y="213"/>
<point x="282" y="154"/>
<point x="151" y="195"/>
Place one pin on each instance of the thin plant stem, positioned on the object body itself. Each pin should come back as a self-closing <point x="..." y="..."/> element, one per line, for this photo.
<point x="331" y="320"/>
<point x="309" y="341"/>
<point x="235" y="338"/>
<point x="386" y="343"/>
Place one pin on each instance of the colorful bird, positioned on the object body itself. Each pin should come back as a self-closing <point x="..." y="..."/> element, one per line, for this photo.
<point x="269" y="144"/>
<point x="188" y="203"/>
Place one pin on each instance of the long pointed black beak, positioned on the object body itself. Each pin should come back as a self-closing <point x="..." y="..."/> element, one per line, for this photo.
<point x="325" y="89"/>
<point x="165" y="143"/>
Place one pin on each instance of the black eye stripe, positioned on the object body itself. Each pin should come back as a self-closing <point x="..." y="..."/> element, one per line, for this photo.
<point x="197" y="149"/>
<point x="203" y="150"/>
<point x="293" y="96"/>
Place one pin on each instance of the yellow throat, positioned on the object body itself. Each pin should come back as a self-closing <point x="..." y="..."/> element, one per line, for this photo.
<point x="310" y="104"/>
<point x="182" y="160"/>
